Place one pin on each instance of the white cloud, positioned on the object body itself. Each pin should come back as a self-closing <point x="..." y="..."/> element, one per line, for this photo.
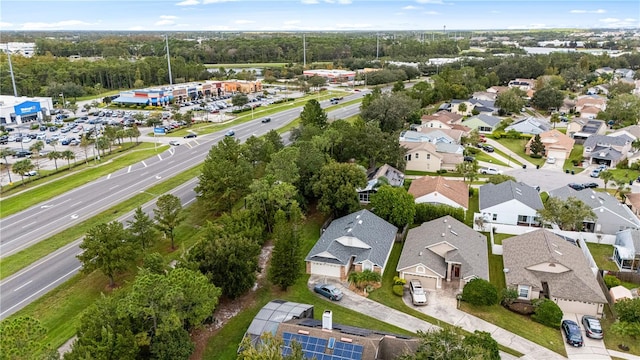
<point x="411" y="7"/>
<point x="168" y="17"/>
<point x="344" y="2"/>
<point x="188" y="3"/>
<point x="292" y="22"/>
<point x="215" y="1"/>
<point x="430" y="1"/>
<point x="431" y="12"/>
<point x="309" y="2"/>
<point x="165" y="22"/>
<point x="615" y="22"/>
<point x="580" y="11"/>
<point x="353" y="26"/>
<point x="242" y="22"/>
<point x="5" y="24"/>
<point x="67" y="24"/>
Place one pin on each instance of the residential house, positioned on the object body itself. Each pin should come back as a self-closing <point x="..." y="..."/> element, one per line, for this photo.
<point x="510" y="203"/>
<point x="457" y="107"/>
<point x="626" y="250"/>
<point x="497" y="89"/>
<point x="529" y="125"/>
<point x="523" y="84"/>
<point x="439" y="190"/>
<point x="484" y="106"/>
<point x="624" y="73"/>
<point x="483" y="122"/>
<point x="590" y="105"/>
<point x="355" y="242"/>
<point x="422" y="156"/>
<point x="442" y="120"/>
<point x="590" y="112"/>
<point x="556" y="144"/>
<point x="580" y="129"/>
<point x="604" y="70"/>
<point x="484" y="95"/>
<point x="416" y="136"/>
<point x="540" y="264"/>
<point x="384" y="175"/>
<point x="443" y="251"/>
<point x="632" y="200"/>
<point x="608" y="150"/>
<point x="632" y="131"/>
<point x="612" y="215"/>
<point x="450" y="136"/>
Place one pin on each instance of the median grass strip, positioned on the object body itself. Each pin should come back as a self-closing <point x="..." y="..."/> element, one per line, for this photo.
<point x="78" y="177"/>
<point x="14" y="263"/>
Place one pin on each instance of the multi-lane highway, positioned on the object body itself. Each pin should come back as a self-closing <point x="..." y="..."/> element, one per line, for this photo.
<point x="43" y="220"/>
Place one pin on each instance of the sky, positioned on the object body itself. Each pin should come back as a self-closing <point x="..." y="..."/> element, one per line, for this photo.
<point x="315" y="15"/>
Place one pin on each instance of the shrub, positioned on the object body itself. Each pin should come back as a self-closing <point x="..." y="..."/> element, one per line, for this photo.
<point x="509" y="296"/>
<point x="622" y="165"/>
<point x="547" y="313"/>
<point x="536" y="156"/>
<point x="399" y="281"/>
<point x="441" y="171"/>
<point x="480" y="292"/>
<point x="398" y="289"/>
<point x="472" y="150"/>
<point x="427" y="212"/>
<point x="611" y="281"/>
<point x="471" y="191"/>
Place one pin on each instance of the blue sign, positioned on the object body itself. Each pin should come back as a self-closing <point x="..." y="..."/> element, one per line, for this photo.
<point x="27" y="108"/>
<point x="159" y="131"/>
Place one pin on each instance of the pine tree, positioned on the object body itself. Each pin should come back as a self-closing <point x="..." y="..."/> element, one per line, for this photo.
<point x="537" y="147"/>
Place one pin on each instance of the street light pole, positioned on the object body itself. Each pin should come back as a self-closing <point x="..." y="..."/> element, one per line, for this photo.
<point x="63" y="102"/>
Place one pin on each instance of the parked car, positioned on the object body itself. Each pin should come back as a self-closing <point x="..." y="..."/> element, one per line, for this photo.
<point x="230" y="133"/>
<point x="190" y="136"/>
<point x="488" y="148"/>
<point x="266" y="120"/>
<point x="592" y="327"/>
<point x="572" y="333"/>
<point x="490" y="171"/>
<point x="329" y="291"/>
<point x="31" y="173"/>
<point x="469" y="158"/>
<point x="590" y="185"/>
<point x="551" y="160"/>
<point x="575" y="186"/>
<point x="418" y="295"/>
<point x="22" y="153"/>
<point x="595" y="173"/>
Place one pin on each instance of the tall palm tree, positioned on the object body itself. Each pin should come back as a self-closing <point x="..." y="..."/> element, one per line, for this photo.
<point x="54" y="155"/>
<point x="22" y="167"/>
<point x="35" y="149"/>
<point x="85" y="142"/>
<point x="606" y="176"/>
<point x="4" y="152"/>
<point x="68" y="155"/>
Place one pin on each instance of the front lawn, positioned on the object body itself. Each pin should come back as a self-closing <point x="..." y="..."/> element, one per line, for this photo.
<point x="602" y="254"/>
<point x="625" y="175"/>
<point x="576" y="155"/>
<point x="612" y="340"/>
<point x="483" y="156"/>
<point x="517" y="146"/>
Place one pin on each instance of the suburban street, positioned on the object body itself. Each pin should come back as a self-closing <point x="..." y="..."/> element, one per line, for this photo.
<point x="22" y="230"/>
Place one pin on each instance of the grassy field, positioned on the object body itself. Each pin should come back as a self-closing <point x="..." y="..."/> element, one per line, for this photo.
<point x="625" y="175"/>
<point x="66" y="180"/>
<point x="517" y="146"/>
<point x="602" y="254"/>
<point x="14" y="263"/>
<point x="576" y="155"/>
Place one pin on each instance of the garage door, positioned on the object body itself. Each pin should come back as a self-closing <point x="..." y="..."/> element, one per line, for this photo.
<point x="578" y="307"/>
<point x="325" y="269"/>
<point x="428" y="283"/>
<point x="559" y="155"/>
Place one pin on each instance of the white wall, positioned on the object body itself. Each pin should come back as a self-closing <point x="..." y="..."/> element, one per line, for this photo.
<point x="508" y="212"/>
<point x="436" y="197"/>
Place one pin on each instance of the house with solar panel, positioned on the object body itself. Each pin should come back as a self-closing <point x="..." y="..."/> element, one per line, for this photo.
<point x="324" y="339"/>
<point x="356" y="242"/>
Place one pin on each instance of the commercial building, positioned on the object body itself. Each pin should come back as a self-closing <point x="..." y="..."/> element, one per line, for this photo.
<point x="20" y="110"/>
<point x="332" y="76"/>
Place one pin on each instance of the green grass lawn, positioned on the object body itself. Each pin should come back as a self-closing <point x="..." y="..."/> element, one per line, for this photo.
<point x="510" y="159"/>
<point x="483" y="156"/>
<point x="602" y="254"/>
<point x="14" y="263"/>
<point x="517" y="146"/>
<point x="612" y="340"/>
<point x="81" y="174"/>
<point x="576" y="155"/>
<point x="624" y="175"/>
<point x="497" y="238"/>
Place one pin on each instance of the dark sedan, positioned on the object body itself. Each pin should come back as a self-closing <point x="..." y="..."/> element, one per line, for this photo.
<point x="190" y="136"/>
<point x="572" y="333"/>
<point x="488" y="148"/>
<point x="591" y="185"/>
<point x="329" y="291"/>
<point x="575" y="186"/>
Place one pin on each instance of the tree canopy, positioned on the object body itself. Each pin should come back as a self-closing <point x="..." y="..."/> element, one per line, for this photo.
<point x="569" y="214"/>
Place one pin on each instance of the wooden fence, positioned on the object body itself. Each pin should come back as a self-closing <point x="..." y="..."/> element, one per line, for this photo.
<point x="626" y="276"/>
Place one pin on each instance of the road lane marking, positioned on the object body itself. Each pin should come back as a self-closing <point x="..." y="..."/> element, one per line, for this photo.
<point x="31" y="223"/>
<point x="41" y="290"/>
<point x="144" y="163"/>
<point x="23" y="285"/>
<point x="159" y="157"/>
<point x="129" y="169"/>
<point x="74" y="216"/>
<point x="45" y="206"/>
<point x="114" y="187"/>
<point x="108" y="176"/>
<point x="76" y="204"/>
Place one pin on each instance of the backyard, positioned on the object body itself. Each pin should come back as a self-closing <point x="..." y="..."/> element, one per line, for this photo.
<point x="602" y="254"/>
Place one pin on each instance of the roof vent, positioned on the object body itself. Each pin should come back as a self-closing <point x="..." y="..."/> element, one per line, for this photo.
<point x="420" y="254"/>
<point x="445" y="220"/>
<point x="448" y="226"/>
<point x="443" y="234"/>
<point x="360" y="222"/>
<point x="557" y="252"/>
<point x="349" y="230"/>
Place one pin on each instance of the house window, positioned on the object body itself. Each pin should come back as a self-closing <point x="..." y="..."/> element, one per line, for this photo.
<point x="494" y="217"/>
<point x="523" y="219"/>
<point x="523" y="291"/>
<point x="428" y="156"/>
<point x="417" y="155"/>
<point x="420" y="269"/>
<point x="408" y="157"/>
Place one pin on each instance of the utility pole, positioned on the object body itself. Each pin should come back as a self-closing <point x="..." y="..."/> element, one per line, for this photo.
<point x="13" y="79"/>
<point x="377" y="45"/>
<point x="166" y="38"/>
<point x="304" y="52"/>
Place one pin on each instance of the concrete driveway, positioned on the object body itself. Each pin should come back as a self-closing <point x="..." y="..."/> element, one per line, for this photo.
<point x="591" y="350"/>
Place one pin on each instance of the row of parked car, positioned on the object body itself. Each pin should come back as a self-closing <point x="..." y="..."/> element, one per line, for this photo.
<point x="573" y="335"/>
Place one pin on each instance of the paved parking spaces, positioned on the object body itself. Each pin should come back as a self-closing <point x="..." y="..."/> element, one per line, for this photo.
<point x="591" y="350"/>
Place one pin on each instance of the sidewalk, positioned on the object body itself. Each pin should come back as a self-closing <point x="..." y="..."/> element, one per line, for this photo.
<point x="506" y="150"/>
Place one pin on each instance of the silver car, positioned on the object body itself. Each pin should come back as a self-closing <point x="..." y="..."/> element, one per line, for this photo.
<point x="592" y="327"/>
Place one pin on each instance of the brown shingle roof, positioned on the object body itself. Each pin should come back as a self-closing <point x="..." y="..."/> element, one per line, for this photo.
<point x="520" y="253"/>
<point x="455" y="190"/>
<point x="554" y="139"/>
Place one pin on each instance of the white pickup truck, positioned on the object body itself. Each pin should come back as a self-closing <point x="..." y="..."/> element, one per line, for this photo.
<point x="490" y="171"/>
<point x="418" y="295"/>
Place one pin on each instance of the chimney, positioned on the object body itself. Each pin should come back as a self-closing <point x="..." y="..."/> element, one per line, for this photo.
<point x="327" y="320"/>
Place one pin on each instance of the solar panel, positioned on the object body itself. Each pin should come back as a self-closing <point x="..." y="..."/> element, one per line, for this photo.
<point x="314" y="347"/>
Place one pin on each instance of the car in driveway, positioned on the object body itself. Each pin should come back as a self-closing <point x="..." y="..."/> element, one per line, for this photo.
<point x="595" y="173"/>
<point x="469" y="158"/>
<point x="190" y="136"/>
<point x="592" y="327"/>
<point x="551" y="160"/>
<point x="328" y="291"/>
<point x="590" y="185"/>
<point x="418" y="295"/>
<point x="572" y="333"/>
<point x="490" y="171"/>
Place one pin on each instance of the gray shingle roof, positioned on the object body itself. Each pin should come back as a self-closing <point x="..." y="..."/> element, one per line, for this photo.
<point x="603" y="140"/>
<point x="529" y="125"/>
<point x="540" y="247"/>
<point x="361" y="234"/>
<point x="491" y="194"/>
<point x="606" y="153"/>
<point x="598" y="200"/>
<point x="488" y="119"/>
<point x="471" y="248"/>
<point x="629" y="240"/>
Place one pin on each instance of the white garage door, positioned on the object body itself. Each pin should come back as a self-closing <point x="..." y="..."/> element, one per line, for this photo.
<point x="578" y="307"/>
<point x="325" y="269"/>
<point x="559" y="155"/>
<point x="428" y="283"/>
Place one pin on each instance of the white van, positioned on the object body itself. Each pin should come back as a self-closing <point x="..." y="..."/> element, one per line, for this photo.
<point x="418" y="295"/>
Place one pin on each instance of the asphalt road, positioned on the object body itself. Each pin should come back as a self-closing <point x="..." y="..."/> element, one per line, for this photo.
<point x="43" y="220"/>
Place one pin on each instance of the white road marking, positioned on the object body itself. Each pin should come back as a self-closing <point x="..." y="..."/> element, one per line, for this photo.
<point x="41" y="290"/>
<point x="31" y="223"/>
<point x="159" y="157"/>
<point x="23" y="285"/>
<point x="108" y="176"/>
<point x="171" y="162"/>
<point x="114" y="187"/>
<point x="144" y="163"/>
<point x="158" y="177"/>
<point x="78" y="203"/>
<point x="74" y="216"/>
<point x="45" y="206"/>
<point x="129" y="169"/>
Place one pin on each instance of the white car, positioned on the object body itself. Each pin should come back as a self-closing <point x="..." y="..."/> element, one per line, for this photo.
<point x="490" y="171"/>
<point x="551" y="160"/>
<point x="174" y="142"/>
